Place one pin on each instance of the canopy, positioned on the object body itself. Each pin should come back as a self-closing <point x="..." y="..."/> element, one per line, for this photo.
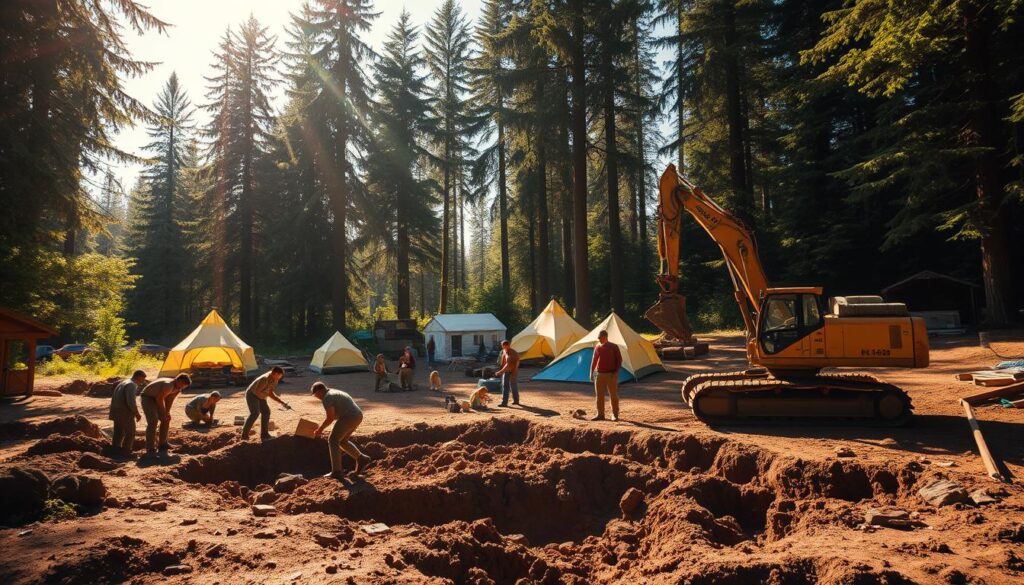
<point x="549" y="334"/>
<point x="573" y="365"/>
<point x="338" y="355"/>
<point x="212" y="344"/>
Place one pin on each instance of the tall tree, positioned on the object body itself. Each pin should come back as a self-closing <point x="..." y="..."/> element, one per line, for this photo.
<point x="448" y="58"/>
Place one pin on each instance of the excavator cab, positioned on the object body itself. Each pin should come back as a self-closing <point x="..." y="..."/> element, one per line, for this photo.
<point x="787" y="317"/>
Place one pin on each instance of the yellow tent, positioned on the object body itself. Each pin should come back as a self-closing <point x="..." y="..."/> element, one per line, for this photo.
<point x="573" y="365"/>
<point x="212" y="344"/>
<point x="338" y="355"/>
<point x="549" y="334"/>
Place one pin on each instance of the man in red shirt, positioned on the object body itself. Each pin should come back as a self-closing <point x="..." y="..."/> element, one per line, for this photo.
<point x="606" y="363"/>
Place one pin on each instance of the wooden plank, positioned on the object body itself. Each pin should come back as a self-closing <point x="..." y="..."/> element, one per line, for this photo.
<point x="990" y="382"/>
<point x="986" y="455"/>
<point x="964" y="376"/>
<point x="979" y="397"/>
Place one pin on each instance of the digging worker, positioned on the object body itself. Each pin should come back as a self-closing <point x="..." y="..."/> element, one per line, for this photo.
<point x="200" y="409"/>
<point x="157" y="398"/>
<point x="406" y="367"/>
<point x="509" y="372"/>
<point x="340" y="407"/>
<point x="606" y="363"/>
<point x="256" y="395"/>
<point x="125" y="413"/>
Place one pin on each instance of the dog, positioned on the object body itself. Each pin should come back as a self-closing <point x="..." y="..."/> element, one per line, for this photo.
<point x="435" y="381"/>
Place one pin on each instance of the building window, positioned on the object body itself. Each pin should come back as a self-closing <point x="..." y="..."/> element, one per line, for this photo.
<point x="478" y="340"/>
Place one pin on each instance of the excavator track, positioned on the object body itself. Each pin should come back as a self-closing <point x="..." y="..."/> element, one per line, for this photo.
<point x="755" y="397"/>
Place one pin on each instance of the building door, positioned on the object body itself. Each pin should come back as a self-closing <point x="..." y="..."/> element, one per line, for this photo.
<point x="456" y="346"/>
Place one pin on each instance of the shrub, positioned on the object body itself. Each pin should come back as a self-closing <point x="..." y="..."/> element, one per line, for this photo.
<point x="57" y="509"/>
<point x="110" y="334"/>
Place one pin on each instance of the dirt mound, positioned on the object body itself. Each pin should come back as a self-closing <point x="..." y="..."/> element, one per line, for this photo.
<point x="202" y="443"/>
<point x="64" y="443"/>
<point x="112" y="560"/>
<point x="24" y="490"/>
<point x="103" y="388"/>
<point x="84" y="490"/>
<point x="65" y="425"/>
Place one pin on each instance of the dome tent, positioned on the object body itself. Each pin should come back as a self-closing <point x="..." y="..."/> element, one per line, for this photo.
<point x="548" y="335"/>
<point x="211" y="344"/>
<point x="338" y="355"/>
<point x="573" y="365"/>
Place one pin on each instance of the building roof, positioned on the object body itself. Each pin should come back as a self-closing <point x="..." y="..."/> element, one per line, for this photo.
<point x="927" y="275"/>
<point x="461" y="322"/>
<point x="26" y="325"/>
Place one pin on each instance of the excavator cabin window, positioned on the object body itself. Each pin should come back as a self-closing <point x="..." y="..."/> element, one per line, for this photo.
<point x="787" y="318"/>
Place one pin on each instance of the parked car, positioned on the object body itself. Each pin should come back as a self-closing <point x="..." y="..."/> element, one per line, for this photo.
<point x="150" y="349"/>
<point x="71" y="349"/>
<point x="44" y="352"/>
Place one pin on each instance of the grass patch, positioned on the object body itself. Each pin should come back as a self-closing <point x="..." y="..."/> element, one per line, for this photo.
<point x="123" y="364"/>
<point x="56" y="509"/>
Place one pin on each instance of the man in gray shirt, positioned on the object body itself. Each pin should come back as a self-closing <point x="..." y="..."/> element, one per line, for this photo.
<point x="341" y="407"/>
<point x="200" y="409"/>
<point x="256" y="395"/>
<point x="125" y="413"/>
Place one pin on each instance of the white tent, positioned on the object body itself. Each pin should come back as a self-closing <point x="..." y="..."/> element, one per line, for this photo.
<point x="212" y="344"/>
<point x="460" y="335"/>
<point x="338" y="355"/>
<point x="573" y="365"/>
<point x="549" y="334"/>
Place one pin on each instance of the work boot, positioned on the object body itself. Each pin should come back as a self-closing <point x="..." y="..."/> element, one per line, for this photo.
<point x="597" y="417"/>
<point x="335" y="475"/>
<point x="362" y="463"/>
<point x="615" y="418"/>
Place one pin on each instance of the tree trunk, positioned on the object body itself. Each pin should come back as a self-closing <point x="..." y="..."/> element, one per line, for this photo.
<point x="506" y="273"/>
<point x="612" y="165"/>
<point x="531" y="244"/>
<point x="734" y="116"/>
<point x="544" y="246"/>
<point x="579" y="172"/>
<point x="402" y="303"/>
<point x="565" y="201"/>
<point x="338" y="192"/>
<point x="445" y="226"/>
<point x="982" y="125"/>
<point x="681" y="97"/>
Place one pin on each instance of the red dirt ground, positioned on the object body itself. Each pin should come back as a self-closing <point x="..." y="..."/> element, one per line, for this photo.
<point x="522" y="495"/>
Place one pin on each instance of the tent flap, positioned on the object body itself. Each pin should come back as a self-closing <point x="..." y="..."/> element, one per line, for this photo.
<point x="212" y="344"/>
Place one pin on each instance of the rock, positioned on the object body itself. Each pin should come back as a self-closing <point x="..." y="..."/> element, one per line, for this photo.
<point x="157" y="506"/>
<point x="84" y="490"/>
<point x="845" y="452"/>
<point x="630" y="501"/>
<point x="265" y="534"/>
<point x="375" y="528"/>
<point x="889" y="442"/>
<point x="484" y="530"/>
<point x="96" y="462"/>
<point x="189" y="521"/>
<point x="265" y="497"/>
<point x="264" y="510"/>
<point x="287" y="484"/>
<point x="326" y="540"/>
<point x="891" y="517"/>
<point x="177" y="570"/>
<point x="295" y="576"/>
<point x="331" y="569"/>
<point x="232" y="531"/>
<point x="946" y="463"/>
<point x="981" y="497"/>
<point x="519" y="539"/>
<point x="943" y="492"/>
<point x="215" y="551"/>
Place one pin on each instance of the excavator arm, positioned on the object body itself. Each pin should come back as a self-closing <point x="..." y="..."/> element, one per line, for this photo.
<point x="734" y="239"/>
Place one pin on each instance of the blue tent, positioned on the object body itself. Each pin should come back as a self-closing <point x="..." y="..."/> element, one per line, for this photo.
<point x="575" y="368"/>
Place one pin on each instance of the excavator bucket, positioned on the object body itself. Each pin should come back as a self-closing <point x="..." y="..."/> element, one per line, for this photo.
<point x="669" y="315"/>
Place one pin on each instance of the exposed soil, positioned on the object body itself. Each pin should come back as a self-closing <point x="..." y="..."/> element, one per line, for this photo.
<point x="532" y="496"/>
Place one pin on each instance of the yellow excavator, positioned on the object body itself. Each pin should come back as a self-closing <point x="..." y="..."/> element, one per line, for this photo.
<point x="792" y="334"/>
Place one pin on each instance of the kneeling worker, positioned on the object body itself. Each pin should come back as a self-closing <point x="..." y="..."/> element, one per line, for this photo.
<point x="341" y="407"/>
<point x="157" y="398"/>
<point x="200" y="409"/>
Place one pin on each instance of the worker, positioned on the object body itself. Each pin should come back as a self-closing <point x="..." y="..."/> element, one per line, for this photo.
<point x="256" y="395"/>
<point x="380" y="370"/>
<point x="200" y="409"/>
<point x="479" y="399"/>
<point x="340" y="407"/>
<point x="406" y="367"/>
<point x="157" y="398"/>
<point x="431" y="350"/>
<point x="125" y="413"/>
<point x="509" y="372"/>
<point x="606" y="363"/>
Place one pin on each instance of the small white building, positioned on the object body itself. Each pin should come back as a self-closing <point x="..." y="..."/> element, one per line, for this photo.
<point x="458" y="335"/>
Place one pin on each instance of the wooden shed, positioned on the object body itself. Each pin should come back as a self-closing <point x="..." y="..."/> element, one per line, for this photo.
<point x="18" y="337"/>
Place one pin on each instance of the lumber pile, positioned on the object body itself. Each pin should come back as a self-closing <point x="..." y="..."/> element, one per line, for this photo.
<point x="1005" y="385"/>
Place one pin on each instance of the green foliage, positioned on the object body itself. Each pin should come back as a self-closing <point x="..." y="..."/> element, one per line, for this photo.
<point x="110" y="334"/>
<point x="123" y="363"/>
<point x="56" y="509"/>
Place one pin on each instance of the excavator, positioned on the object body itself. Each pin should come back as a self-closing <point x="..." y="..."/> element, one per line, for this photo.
<point x="792" y="334"/>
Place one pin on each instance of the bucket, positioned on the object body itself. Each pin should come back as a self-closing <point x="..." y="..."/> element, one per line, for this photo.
<point x="983" y="338"/>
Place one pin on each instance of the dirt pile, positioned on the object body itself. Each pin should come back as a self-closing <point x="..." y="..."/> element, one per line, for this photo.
<point x="24" y="490"/>
<point x="65" y="425"/>
<point x="63" y="443"/>
<point x="112" y="560"/>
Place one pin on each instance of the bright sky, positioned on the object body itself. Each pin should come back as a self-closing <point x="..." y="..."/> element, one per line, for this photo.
<point x="197" y="26"/>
